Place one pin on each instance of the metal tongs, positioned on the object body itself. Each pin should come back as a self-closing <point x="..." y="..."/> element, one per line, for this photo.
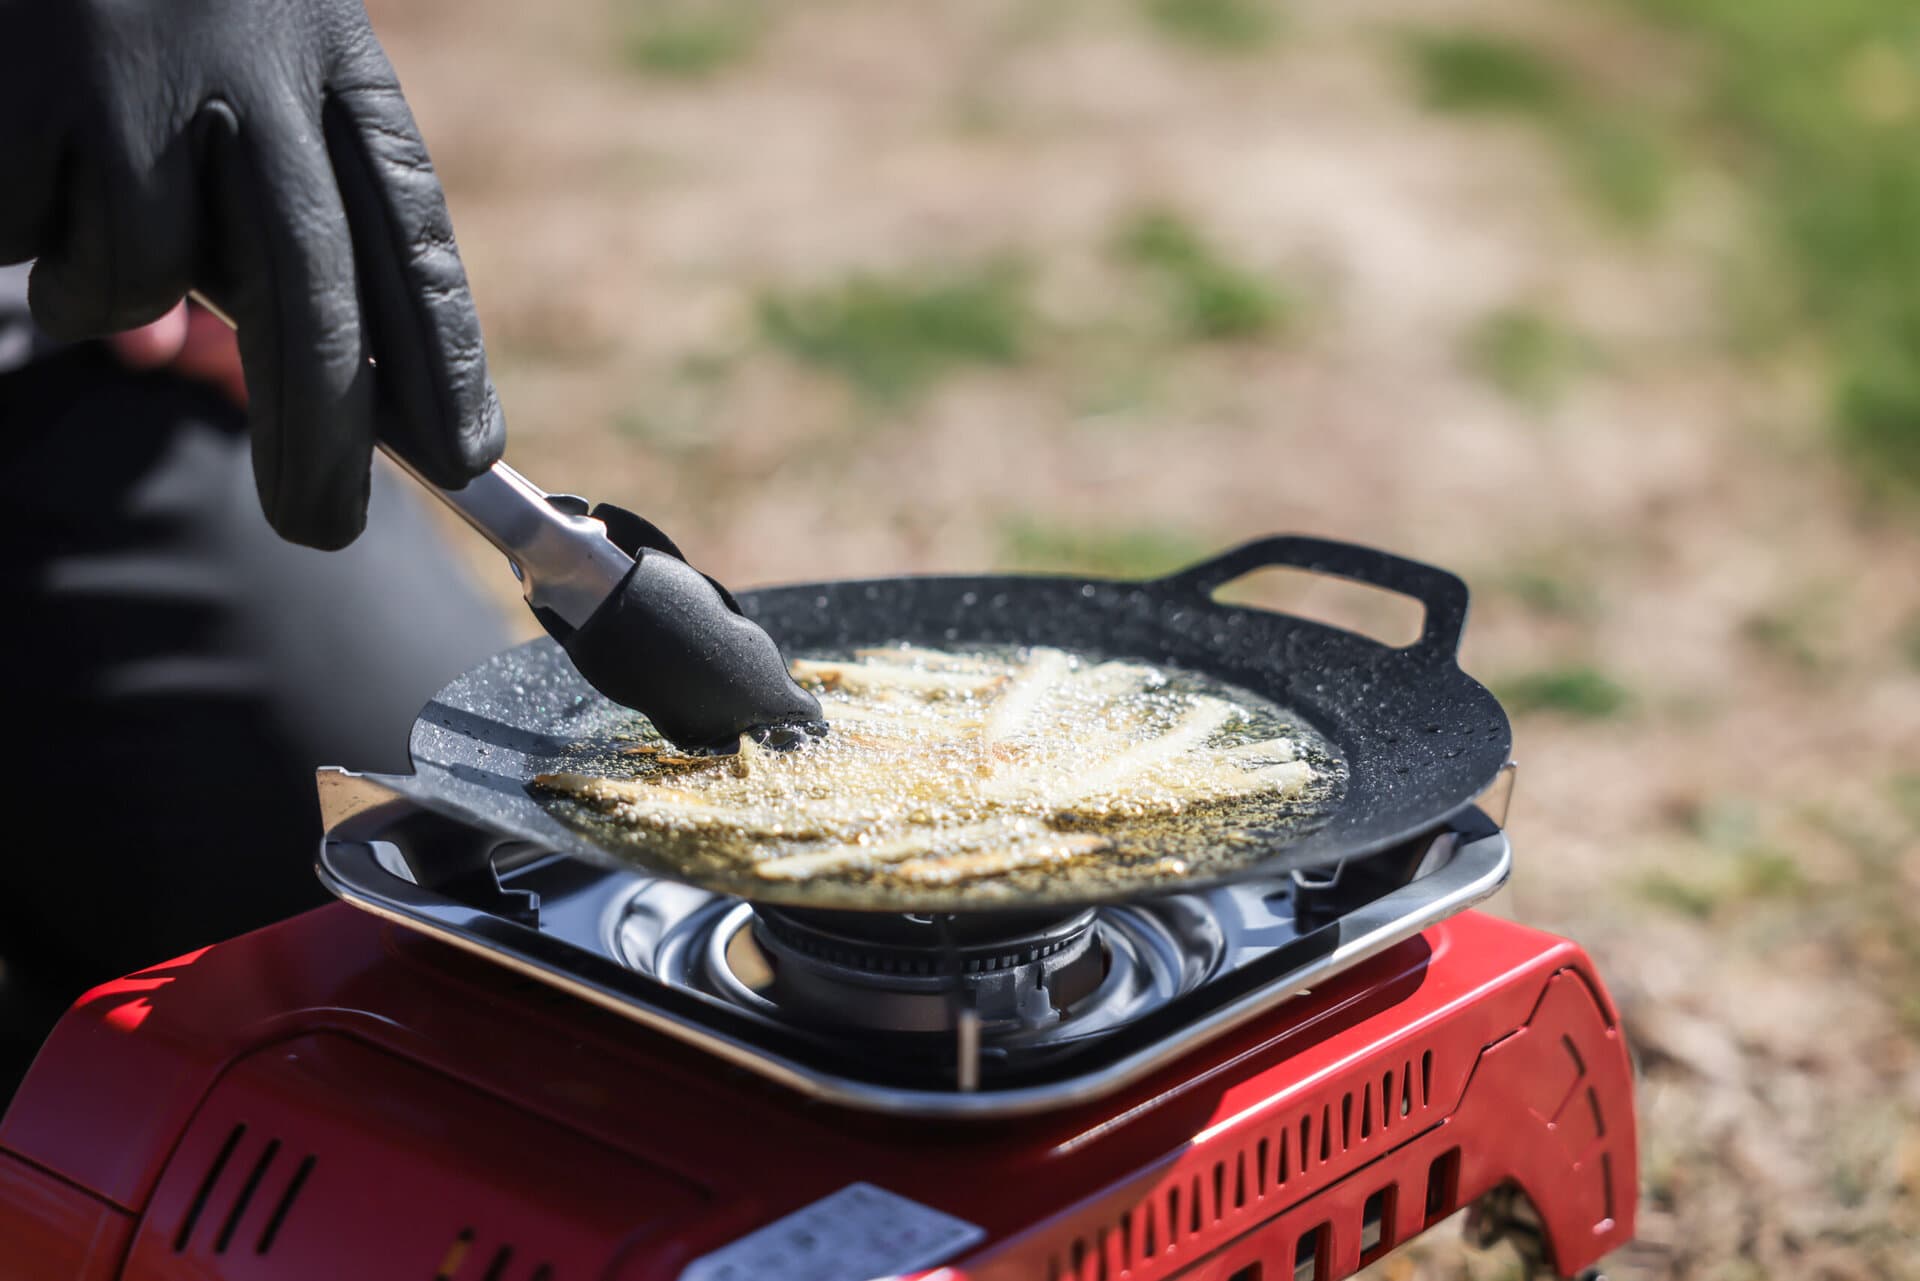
<point x="565" y="561"/>
<point x="644" y="627"/>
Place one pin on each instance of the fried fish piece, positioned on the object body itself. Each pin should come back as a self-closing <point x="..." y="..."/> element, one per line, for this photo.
<point x="1047" y="851"/>
<point x="919" y="843"/>
<point x="1271" y="750"/>
<point x="933" y="660"/>
<point x="1022" y="696"/>
<point x="877" y="678"/>
<point x="1221" y="784"/>
<point x="1201" y="721"/>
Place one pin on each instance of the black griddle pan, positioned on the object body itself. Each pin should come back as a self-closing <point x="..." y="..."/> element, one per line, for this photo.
<point x="1420" y="738"/>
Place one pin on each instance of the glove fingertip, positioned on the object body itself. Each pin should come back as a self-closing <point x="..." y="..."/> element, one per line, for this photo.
<point x="325" y="512"/>
<point x="325" y="529"/>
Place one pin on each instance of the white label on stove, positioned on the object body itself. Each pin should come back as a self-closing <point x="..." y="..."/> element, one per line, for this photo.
<point x="860" y="1233"/>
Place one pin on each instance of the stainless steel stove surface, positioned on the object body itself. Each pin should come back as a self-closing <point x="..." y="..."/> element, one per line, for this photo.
<point x="967" y="1015"/>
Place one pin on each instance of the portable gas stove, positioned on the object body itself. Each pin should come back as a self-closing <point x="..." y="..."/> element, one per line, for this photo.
<point x="516" y="1062"/>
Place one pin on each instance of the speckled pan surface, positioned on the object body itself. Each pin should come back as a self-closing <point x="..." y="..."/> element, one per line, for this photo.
<point x="1420" y="738"/>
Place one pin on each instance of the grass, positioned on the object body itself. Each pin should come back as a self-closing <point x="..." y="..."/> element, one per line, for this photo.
<point x="1795" y="628"/>
<point x="1550" y="582"/>
<point x="1525" y="353"/>
<point x="1575" y="690"/>
<point x="891" y="337"/>
<point x="1904" y="790"/>
<point x="1210" y="297"/>
<point x="1817" y="108"/>
<point x="1874" y="925"/>
<point x="1549" y="594"/>
<point x="1909" y="642"/>
<point x="690" y="39"/>
<point x="1686" y="897"/>
<point x="1463" y="72"/>
<point x="1785" y="635"/>
<point x="1111" y="551"/>
<point x="1219" y="26"/>
<point x="1813" y="108"/>
<point x="1732" y="865"/>
<point x="1614" y="151"/>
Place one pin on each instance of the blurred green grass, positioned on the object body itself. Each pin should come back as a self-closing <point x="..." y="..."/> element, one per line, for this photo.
<point x="1727" y="877"/>
<point x="1575" y="690"/>
<point x="1109" y="551"/>
<point x="1817" y="107"/>
<point x="1211" y="297"/>
<point x="1222" y="26"/>
<point x="1550" y="582"/>
<point x="1526" y="353"/>
<point x="1615" y="151"/>
<point x="1812" y="107"/>
<point x="892" y="336"/>
<point x="1730" y="863"/>
<point x="689" y="39"/>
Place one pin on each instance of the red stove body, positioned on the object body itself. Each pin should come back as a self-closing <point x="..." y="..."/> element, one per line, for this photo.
<point x="334" y="1097"/>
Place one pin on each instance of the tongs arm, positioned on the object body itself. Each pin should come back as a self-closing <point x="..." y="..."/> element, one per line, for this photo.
<point x="647" y="630"/>
<point x="565" y="561"/>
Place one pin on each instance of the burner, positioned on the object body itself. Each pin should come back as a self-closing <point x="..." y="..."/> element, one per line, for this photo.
<point x="1055" y="982"/>
<point x="914" y="973"/>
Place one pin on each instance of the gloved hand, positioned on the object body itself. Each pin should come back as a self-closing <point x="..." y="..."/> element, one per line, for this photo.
<point x="258" y="150"/>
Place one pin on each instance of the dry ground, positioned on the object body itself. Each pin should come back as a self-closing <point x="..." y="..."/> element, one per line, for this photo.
<point x="1731" y="827"/>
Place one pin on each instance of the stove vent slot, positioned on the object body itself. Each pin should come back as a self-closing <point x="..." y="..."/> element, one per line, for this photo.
<point x="200" y="1198"/>
<point x="499" y="1265"/>
<point x="247" y="1189"/>
<point x="251" y="1184"/>
<point x="1178" y="1218"/>
<point x="280" y="1209"/>
<point x="455" y="1256"/>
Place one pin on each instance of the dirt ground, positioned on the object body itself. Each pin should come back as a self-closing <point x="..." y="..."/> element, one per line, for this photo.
<point x="1732" y="826"/>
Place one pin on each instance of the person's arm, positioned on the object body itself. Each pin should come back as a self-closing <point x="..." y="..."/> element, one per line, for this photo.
<point x="260" y="151"/>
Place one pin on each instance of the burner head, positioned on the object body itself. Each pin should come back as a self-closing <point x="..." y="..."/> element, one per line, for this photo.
<point x="913" y="973"/>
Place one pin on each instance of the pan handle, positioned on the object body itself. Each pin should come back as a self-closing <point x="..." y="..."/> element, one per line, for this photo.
<point x="1443" y="594"/>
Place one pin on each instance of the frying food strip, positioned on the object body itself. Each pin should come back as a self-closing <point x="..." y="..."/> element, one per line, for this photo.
<point x="1270" y="749"/>
<point x="603" y="792"/>
<point x="642" y="804"/>
<point x="902" y="716"/>
<point x="1216" y="787"/>
<point x="659" y="763"/>
<point x="872" y="678"/>
<point x="972" y="867"/>
<point x="932" y="660"/>
<point x="1192" y="730"/>
<point x="913" y="845"/>
<point x="1023" y="694"/>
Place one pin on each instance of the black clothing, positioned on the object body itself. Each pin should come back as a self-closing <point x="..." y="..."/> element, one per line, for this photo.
<point x="172" y="674"/>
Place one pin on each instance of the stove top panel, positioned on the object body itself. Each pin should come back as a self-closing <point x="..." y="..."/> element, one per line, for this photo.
<point x="1061" y="1014"/>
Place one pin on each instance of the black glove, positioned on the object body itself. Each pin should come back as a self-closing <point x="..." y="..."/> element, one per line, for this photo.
<point x="258" y="150"/>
